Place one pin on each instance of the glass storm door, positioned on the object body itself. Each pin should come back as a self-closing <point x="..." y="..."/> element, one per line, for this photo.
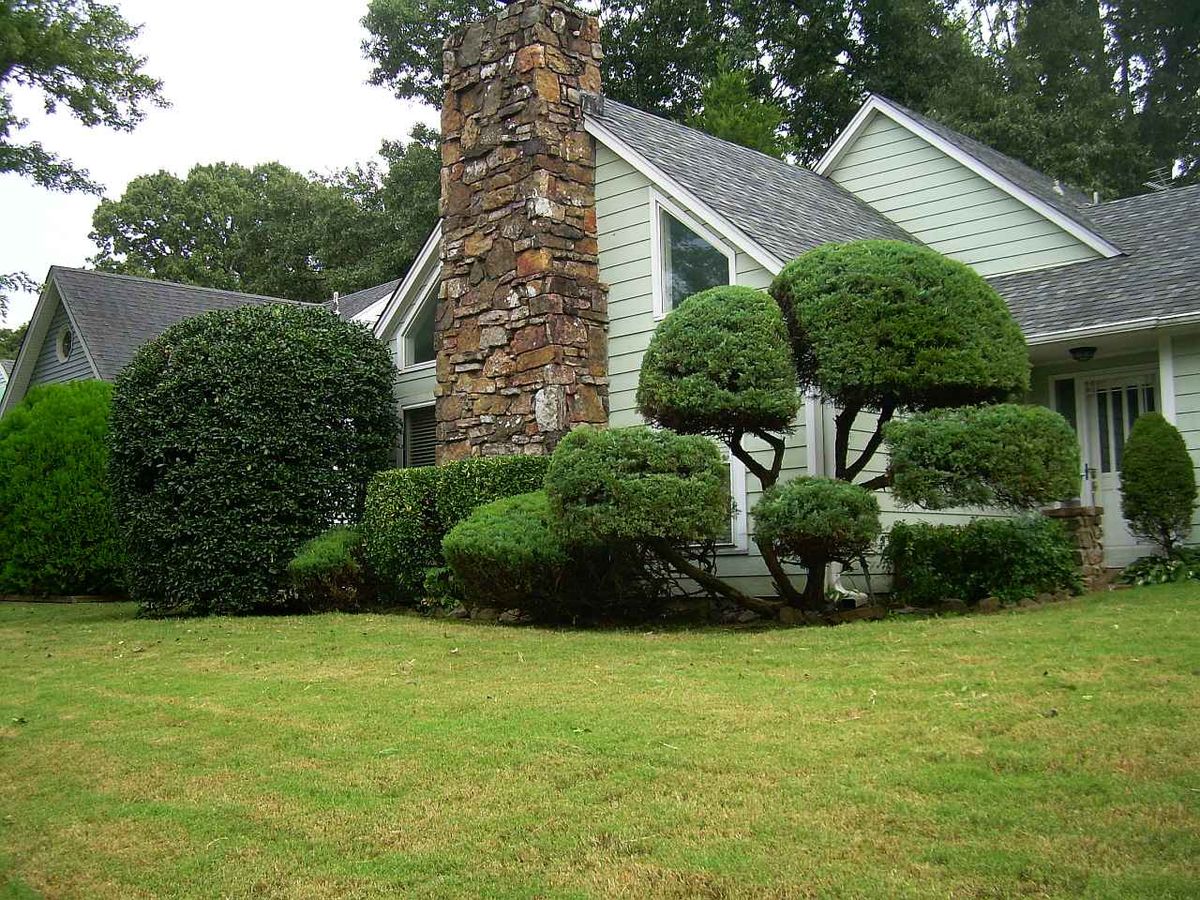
<point x="1112" y="404"/>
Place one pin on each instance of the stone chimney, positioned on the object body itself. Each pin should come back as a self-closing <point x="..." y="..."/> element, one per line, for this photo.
<point x="522" y="355"/>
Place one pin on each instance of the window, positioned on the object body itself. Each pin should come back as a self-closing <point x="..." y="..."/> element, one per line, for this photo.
<point x="1064" y="400"/>
<point x="735" y="538"/>
<point x="420" y="436"/>
<point x="687" y="258"/>
<point x="64" y="344"/>
<point x="418" y="343"/>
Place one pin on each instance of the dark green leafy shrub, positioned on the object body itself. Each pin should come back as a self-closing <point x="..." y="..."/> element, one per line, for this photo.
<point x="57" y="531"/>
<point x="237" y="436"/>
<point x="1011" y="559"/>
<point x="818" y="519"/>
<point x="409" y="511"/>
<point x="1158" y="482"/>
<point x="719" y="364"/>
<point x="513" y="554"/>
<point x="638" y="484"/>
<point x="326" y="573"/>
<point x="1003" y="455"/>
<point x="891" y="325"/>
<point x="1182" y="565"/>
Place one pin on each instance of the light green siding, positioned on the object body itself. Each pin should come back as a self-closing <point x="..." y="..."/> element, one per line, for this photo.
<point x="623" y="218"/>
<point x="1186" y="352"/>
<point x="944" y="204"/>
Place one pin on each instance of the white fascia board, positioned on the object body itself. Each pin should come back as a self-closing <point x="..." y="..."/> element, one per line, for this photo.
<point x="877" y="104"/>
<point x="1107" y="328"/>
<point x="79" y="334"/>
<point x="684" y="198"/>
<point x="413" y="279"/>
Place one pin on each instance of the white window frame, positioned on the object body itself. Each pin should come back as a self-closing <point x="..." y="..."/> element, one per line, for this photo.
<point x="659" y="204"/>
<point x="64" y="343"/>
<point x="739" y="530"/>
<point x="403" y="448"/>
<point x="402" y="341"/>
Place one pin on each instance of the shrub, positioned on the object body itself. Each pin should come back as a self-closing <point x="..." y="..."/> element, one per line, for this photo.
<point x="513" y="553"/>
<point x="1011" y="559"/>
<point x="57" y="531"/>
<point x="326" y="573"/>
<point x="409" y="511"/>
<point x="237" y="436"/>
<point x="638" y="484"/>
<point x="1182" y="565"/>
<point x="1158" y="482"/>
<point x="891" y="325"/>
<point x="816" y="521"/>
<point x="1004" y="455"/>
<point x="719" y="364"/>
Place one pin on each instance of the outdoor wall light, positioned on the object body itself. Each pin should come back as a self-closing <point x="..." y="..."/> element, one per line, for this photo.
<point x="1082" y="354"/>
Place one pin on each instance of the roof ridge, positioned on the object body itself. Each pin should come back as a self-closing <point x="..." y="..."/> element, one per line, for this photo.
<point x="178" y="284"/>
<point x="1175" y="191"/>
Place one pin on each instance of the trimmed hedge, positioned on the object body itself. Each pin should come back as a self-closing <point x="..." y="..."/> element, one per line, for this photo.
<point x="57" y="530"/>
<point x="237" y="436"/>
<point x="1158" y="482"/>
<point x="719" y="364"/>
<point x="1011" y="559"/>
<point x="637" y="484"/>
<point x="326" y="573"/>
<point x="1008" y="454"/>
<point x="818" y="519"/>
<point x="409" y="511"/>
<point x="888" y="323"/>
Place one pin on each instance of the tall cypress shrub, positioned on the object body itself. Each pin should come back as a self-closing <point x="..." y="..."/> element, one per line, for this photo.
<point x="57" y="532"/>
<point x="1158" y="482"/>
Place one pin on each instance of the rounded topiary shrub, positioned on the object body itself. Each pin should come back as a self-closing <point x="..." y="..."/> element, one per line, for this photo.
<point x="883" y="325"/>
<point x="637" y="484"/>
<point x="326" y="573"/>
<point x="998" y="455"/>
<point x="57" y="531"/>
<point x="237" y="436"/>
<point x="1158" y="482"/>
<point x="719" y="364"/>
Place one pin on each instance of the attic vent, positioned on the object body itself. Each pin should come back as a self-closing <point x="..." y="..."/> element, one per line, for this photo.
<point x="420" y="436"/>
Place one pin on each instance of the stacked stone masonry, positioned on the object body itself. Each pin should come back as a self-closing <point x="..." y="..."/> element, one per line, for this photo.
<point x="521" y="321"/>
<point x="1085" y="526"/>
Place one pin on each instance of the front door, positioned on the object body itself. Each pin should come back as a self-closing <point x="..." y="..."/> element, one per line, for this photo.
<point x="1111" y="405"/>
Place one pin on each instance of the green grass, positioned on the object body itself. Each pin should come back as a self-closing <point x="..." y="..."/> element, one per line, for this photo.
<point x="1052" y="752"/>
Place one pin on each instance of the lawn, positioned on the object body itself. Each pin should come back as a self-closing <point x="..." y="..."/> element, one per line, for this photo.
<point x="1051" y="752"/>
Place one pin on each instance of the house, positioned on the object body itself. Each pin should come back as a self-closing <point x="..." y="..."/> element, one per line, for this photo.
<point x="572" y="224"/>
<point x="88" y="324"/>
<point x="6" y="367"/>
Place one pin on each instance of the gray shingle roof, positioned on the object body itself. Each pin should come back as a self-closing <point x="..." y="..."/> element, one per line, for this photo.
<point x="1070" y="201"/>
<point x="1158" y="275"/>
<point x="785" y="208"/>
<point x="352" y="304"/>
<point x="116" y="314"/>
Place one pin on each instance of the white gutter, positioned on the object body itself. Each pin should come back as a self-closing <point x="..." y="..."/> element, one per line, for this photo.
<point x="1089" y="331"/>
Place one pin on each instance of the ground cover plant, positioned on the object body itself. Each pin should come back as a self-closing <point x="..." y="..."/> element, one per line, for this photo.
<point x="1048" y="752"/>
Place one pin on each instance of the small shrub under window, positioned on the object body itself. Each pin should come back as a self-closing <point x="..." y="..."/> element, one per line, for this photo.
<point x="1011" y="559"/>
<point x="326" y="573"/>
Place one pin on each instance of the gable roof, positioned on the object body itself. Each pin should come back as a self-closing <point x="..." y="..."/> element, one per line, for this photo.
<point x="784" y="208"/>
<point x="1067" y="207"/>
<point x="352" y="306"/>
<point x="1155" y="281"/>
<point x="117" y="314"/>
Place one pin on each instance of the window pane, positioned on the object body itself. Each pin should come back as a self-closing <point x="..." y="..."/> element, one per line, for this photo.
<point x="1149" y="397"/>
<point x="1064" y="399"/>
<point x="727" y="535"/>
<point x="420" y="334"/>
<point x="1118" y="428"/>
<point x="692" y="264"/>
<point x="1102" y="423"/>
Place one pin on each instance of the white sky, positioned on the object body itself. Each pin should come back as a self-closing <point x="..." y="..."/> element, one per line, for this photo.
<point x="250" y="81"/>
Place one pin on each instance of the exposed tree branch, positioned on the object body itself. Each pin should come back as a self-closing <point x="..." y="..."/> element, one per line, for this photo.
<point x="711" y="581"/>
<point x="868" y="452"/>
<point x="879" y="482"/>
<point x="843" y="424"/>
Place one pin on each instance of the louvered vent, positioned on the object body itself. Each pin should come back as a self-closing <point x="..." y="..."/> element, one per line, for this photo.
<point x="420" y="436"/>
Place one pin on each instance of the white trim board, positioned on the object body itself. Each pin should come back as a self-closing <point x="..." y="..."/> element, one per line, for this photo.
<point x="879" y="105"/>
<point x="660" y="204"/>
<point x="404" y="289"/>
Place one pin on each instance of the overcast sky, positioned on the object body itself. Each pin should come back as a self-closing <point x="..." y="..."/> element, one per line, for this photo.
<point x="250" y="81"/>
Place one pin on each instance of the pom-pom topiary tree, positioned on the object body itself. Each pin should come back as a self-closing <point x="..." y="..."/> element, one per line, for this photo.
<point x="57" y="531"/>
<point x="237" y="436"/>
<point x="1158" y="483"/>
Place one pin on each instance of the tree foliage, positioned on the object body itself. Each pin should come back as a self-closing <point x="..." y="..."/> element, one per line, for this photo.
<point x="1009" y="455"/>
<point x="730" y="110"/>
<point x="1098" y="95"/>
<point x="57" y="531"/>
<point x="10" y="340"/>
<point x="272" y="231"/>
<point x="73" y="53"/>
<point x="1158" y="482"/>
<point x="237" y="436"/>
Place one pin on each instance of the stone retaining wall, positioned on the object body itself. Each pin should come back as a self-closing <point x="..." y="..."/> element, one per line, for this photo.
<point x="1085" y="525"/>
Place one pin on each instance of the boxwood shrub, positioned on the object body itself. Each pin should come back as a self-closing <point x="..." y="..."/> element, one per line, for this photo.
<point x="57" y="531"/>
<point x="326" y="572"/>
<point x="1011" y="559"/>
<point x="237" y="436"/>
<point x="409" y="511"/>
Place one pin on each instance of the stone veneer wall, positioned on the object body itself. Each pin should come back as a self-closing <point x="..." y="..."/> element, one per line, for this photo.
<point x="1085" y="525"/>
<point x="522" y="355"/>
